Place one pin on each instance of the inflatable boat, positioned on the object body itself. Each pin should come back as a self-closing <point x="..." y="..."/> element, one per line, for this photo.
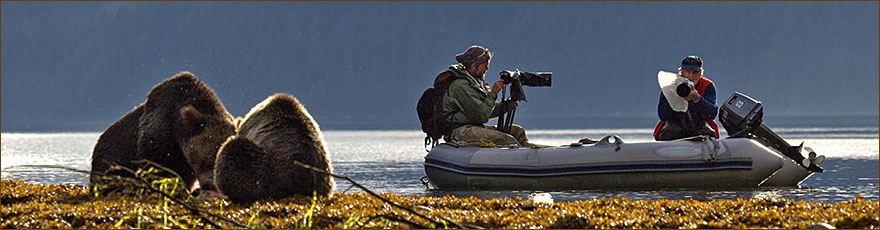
<point x="751" y="156"/>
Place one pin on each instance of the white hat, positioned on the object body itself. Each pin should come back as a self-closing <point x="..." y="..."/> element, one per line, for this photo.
<point x="668" y="82"/>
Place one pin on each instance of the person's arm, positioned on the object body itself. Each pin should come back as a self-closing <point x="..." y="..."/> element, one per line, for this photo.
<point x="476" y="107"/>
<point x="706" y="105"/>
<point x="664" y="110"/>
<point x="496" y="110"/>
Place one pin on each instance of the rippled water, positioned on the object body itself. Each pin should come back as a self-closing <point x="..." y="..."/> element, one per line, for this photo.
<point x="391" y="161"/>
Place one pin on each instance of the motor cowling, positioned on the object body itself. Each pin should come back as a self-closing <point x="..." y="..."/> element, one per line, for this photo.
<point x="742" y="116"/>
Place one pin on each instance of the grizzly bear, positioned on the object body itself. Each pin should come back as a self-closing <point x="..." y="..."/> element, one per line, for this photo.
<point x="180" y="126"/>
<point x="257" y="162"/>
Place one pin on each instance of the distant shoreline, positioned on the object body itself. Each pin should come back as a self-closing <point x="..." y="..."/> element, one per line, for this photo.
<point x="404" y="123"/>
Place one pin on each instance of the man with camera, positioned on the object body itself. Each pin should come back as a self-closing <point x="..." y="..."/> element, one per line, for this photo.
<point x="699" y="118"/>
<point x="469" y="102"/>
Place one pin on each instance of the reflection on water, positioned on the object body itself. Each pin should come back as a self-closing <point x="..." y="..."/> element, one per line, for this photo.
<point x="391" y="161"/>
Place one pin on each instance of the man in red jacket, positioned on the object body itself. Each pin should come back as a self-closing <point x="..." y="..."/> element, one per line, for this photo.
<point x="699" y="119"/>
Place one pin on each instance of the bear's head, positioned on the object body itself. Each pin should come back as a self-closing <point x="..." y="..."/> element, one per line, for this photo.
<point x="206" y="134"/>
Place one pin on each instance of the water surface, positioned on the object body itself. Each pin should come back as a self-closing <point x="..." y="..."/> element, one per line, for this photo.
<point x="391" y="161"/>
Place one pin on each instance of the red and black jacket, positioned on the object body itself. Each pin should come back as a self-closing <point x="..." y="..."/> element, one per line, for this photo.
<point x="706" y="109"/>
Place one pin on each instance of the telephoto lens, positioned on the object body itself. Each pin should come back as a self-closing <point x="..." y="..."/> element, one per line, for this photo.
<point x="536" y="79"/>
<point x="684" y="89"/>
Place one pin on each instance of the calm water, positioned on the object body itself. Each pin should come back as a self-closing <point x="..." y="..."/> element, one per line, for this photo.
<point x="391" y="161"/>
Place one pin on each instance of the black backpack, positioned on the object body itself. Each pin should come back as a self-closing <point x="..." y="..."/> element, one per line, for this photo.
<point x="430" y="109"/>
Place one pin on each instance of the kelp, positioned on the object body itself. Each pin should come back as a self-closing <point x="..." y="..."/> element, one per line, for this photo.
<point x="24" y="205"/>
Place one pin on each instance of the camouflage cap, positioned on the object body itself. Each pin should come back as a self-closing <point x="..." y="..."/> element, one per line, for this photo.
<point x="473" y="54"/>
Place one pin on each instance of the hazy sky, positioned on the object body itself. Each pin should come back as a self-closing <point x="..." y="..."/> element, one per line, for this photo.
<point x="82" y="65"/>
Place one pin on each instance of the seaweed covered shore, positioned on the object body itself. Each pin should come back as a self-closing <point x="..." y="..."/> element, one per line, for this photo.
<point x="24" y="205"/>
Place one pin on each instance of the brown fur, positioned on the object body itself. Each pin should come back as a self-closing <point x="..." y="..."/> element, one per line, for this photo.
<point x="181" y="125"/>
<point x="256" y="163"/>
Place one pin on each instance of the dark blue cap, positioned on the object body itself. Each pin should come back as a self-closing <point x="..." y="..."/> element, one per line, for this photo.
<point x="692" y="63"/>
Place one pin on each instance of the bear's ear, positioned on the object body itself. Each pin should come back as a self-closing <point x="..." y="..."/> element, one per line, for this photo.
<point x="190" y="116"/>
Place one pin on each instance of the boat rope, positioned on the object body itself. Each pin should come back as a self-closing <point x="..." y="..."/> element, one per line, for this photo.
<point x="711" y="146"/>
<point x="427" y="182"/>
<point x="432" y="142"/>
<point x="485" y="143"/>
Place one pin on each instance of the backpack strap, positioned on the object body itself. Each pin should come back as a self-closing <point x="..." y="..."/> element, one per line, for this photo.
<point x="430" y="141"/>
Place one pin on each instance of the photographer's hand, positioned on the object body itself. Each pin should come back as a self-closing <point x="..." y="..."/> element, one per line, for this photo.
<point x="497" y="86"/>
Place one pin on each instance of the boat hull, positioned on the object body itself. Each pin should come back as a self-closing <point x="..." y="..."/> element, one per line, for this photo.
<point x="669" y="164"/>
<point x="790" y="175"/>
<point x="449" y="180"/>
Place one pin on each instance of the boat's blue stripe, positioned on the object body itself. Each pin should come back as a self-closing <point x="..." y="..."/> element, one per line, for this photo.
<point x="663" y="167"/>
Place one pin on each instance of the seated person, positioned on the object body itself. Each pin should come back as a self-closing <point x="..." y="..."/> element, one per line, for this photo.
<point x="469" y="102"/>
<point x="699" y="119"/>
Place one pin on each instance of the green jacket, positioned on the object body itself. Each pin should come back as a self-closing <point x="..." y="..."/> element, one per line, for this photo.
<point x="467" y="100"/>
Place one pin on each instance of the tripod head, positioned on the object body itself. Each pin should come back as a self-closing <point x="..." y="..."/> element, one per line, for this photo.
<point x="516" y="79"/>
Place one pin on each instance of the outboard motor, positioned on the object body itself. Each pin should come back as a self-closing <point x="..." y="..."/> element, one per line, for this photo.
<point x="742" y="116"/>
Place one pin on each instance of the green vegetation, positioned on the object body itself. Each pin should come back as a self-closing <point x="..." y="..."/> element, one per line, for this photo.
<point x="25" y="205"/>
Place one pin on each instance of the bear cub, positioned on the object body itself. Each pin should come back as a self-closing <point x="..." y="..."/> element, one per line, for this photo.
<point x="257" y="162"/>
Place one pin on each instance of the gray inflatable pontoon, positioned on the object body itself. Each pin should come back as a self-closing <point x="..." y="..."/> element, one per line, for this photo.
<point x="611" y="163"/>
